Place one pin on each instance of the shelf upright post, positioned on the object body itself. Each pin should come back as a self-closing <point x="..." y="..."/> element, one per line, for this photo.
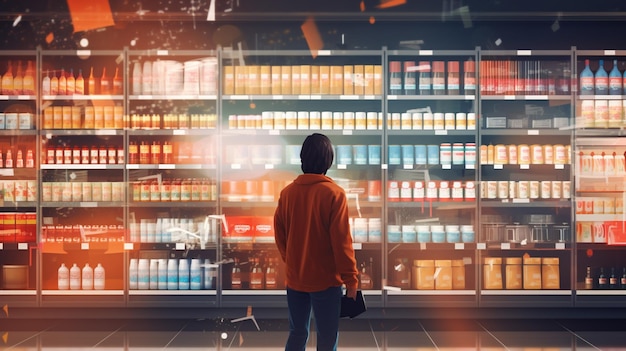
<point x="219" y="166"/>
<point x="478" y="186"/>
<point x="573" y="121"/>
<point x="38" y="210"/>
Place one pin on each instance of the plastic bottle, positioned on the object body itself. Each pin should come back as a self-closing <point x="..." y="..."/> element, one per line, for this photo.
<point x="18" y="80"/>
<point x="91" y="83"/>
<point x="105" y="84"/>
<point x="469" y="77"/>
<point x="183" y="274"/>
<point x="395" y="78"/>
<point x="154" y="274"/>
<point x="7" y="81"/>
<point x="87" y="277"/>
<point x="453" y="78"/>
<point x="45" y="84"/>
<point x="143" y="274"/>
<point x="586" y="80"/>
<point x="439" y="78"/>
<point x="62" y="83"/>
<point x="136" y="79"/>
<point x="79" y="89"/>
<point x="75" y="277"/>
<point x="172" y="274"/>
<point x="70" y="88"/>
<point x="195" y="274"/>
<point x="601" y="80"/>
<point x="615" y="80"/>
<point x="63" y="277"/>
<point x="424" y="82"/>
<point x="409" y="84"/>
<point x="162" y="274"/>
<point x="210" y="274"/>
<point x="132" y="274"/>
<point x="28" y="86"/>
<point x="99" y="277"/>
<point x="146" y="78"/>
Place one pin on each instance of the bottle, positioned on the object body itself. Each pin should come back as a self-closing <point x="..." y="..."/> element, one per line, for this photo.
<point x="365" y="278"/>
<point x="132" y="274"/>
<point x="62" y="83"/>
<point x="8" y="163"/>
<point x="154" y="274"/>
<point x="256" y="275"/>
<point x="146" y="78"/>
<point x="19" y="160"/>
<point x="99" y="277"/>
<point x="172" y="274"/>
<point x="613" y="282"/>
<point x="136" y="79"/>
<point x="63" y="277"/>
<point x="30" y="160"/>
<point x="7" y="81"/>
<point x="29" y="79"/>
<point x="167" y="152"/>
<point x="210" y="273"/>
<point x="236" y="276"/>
<point x="105" y="83"/>
<point x="424" y="83"/>
<point x="586" y="80"/>
<point x="162" y="274"/>
<point x="439" y="78"/>
<point x="79" y="88"/>
<point x="91" y="83"/>
<point x="622" y="283"/>
<point x="117" y="83"/>
<point x="144" y="153"/>
<point x="45" y="84"/>
<point x="75" y="277"/>
<point x="270" y="275"/>
<point x="155" y="153"/>
<point x="54" y="84"/>
<point x="601" y="80"/>
<point x="70" y="83"/>
<point x="395" y="78"/>
<point x="87" y="277"/>
<point x="133" y="153"/>
<point x="453" y="78"/>
<point x="469" y="77"/>
<point x="615" y="80"/>
<point x="401" y="277"/>
<point x="603" y="282"/>
<point x="143" y="274"/>
<point x="409" y="84"/>
<point x="18" y="80"/>
<point x="195" y="274"/>
<point x="183" y="274"/>
<point x="588" y="279"/>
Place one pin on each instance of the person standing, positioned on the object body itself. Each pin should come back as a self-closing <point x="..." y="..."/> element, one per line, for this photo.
<point x="312" y="234"/>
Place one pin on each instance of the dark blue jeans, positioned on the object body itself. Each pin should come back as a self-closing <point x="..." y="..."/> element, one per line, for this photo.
<point x="326" y="305"/>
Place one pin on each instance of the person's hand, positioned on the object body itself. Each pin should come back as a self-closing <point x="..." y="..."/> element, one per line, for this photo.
<point x="351" y="293"/>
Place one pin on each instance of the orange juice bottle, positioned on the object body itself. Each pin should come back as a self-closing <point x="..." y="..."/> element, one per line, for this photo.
<point x="71" y="83"/>
<point x="54" y="84"/>
<point x="79" y="89"/>
<point x="91" y="83"/>
<point x="117" y="83"/>
<point x="18" y="80"/>
<point x="29" y="79"/>
<point x="105" y="86"/>
<point x="62" y="83"/>
<point x="7" y="81"/>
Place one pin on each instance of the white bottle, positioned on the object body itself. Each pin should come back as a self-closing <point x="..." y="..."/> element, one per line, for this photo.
<point x="183" y="274"/>
<point x="63" y="277"/>
<point x="143" y="274"/>
<point x="137" y="81"/>
<point x="162" y="274"/>
<point x="209" y="275"/>
<point x="45" y="84"/>
<point x="195" y="274"/>
<point x="99" y="277"/>
<point x="146" y="78"/>
<point x="132" y="274"/>
<point x="172" y="274"/>
<point x="154" y="274"/>
<point x="87" y="277"/>
<point x="75" y="277"/>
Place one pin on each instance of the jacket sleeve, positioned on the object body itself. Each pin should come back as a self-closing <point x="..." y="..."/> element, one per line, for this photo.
<point x="280" y="232"/>
<point x="342" y="241"/>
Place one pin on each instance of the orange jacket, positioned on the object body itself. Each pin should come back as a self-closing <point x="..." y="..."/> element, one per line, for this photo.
<point x="313" y="234"/>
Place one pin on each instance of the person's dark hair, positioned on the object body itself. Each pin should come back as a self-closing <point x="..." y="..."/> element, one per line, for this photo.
<point x="316" y="154"/>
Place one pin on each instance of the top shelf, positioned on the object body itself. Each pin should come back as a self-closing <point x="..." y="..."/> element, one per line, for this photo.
<point x="302" y="97"/>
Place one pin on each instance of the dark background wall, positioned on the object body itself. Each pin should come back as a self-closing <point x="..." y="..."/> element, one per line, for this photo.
<point x="275" y="24"/>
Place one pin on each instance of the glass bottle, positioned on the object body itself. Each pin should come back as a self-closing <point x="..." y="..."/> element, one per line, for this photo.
<point x="144" y="153"/>
<point x="45" y="84"/>
<point x="615" y="80"/>
<point x="588" y="279"/>
<point x="410" y="88"/>
<point x="62" y="83"/>
<point x="613" y="281"/>
<point x="401" y="274"/>
<point x="469" y="77"/>
<point x="586" y="80"/>
<point x="395" y="78"/>
<point x="256" y="275"/>
<point x="603" y="282"/>
<point x="424" y="83"/>
<point x="9" y="159"/>
<point x="18" y="80"/>
<point x="117" y="83"/>
<point x="80" y="84"/>
<point x="365" y="277"/>
<point x="601" y="80"/>
<point x="91" y="83"/>
<point x="29" y="79"/>
<point x="105" y="86"/>
<point x="270" y="275"/>
<point x="623" y="279"/>
<point x="70" y="83"/>
<point x="7" y="81"/>
<point x="235" y="279"/>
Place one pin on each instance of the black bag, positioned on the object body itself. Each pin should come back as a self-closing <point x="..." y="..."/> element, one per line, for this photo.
<point x="352" y="308"/>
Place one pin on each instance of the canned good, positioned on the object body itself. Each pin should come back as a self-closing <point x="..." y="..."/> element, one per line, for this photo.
<point x="546" y="188"/>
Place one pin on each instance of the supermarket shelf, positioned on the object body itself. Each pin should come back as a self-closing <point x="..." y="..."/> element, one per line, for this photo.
<point x="526" y="97"/>
<point x="448" y="205"/>
<point x="82" y="166"/>
<point x="600" y="217"/>
<point x="16" y="246"/>
<point x="248" y="204"/>
<point x="599" y="246"/>
<point x="301" y="132"/>
<point x="18" y="97"/>
<point x="526" y="203"/>
<point x="180" y="204"/>
<point x="431" y="246"/>
<point x="18" y="132"/>
<point x="167" y="246"/>
<point x="431" y="97"/>
<point x="601" y="97"/>
<point x="9" y="204"/>
<point x="601" y="133"/>
<point x="172" y="292"/>
<point x="119" y="204"/>
<point x="167" y="132"/>
<point x="525" y="132"/>
<point x="193" y="97"/>
<point x="303" y="97"/>
<point x="170" y="166"/>
<point x="601" y="292"/>
<point x="18" y="292"/>
<point x="82" y="292"/>
<point x="431" y="292"/>
<point x="525" y="246"/>
<point x="526" y="292"/>
<point x="308" y="53"/>
<point x="55" y="132"/>
<point x="254" y="292"/>
<point x="438" y="132"/>
<point x="83" y="97"/>
<point x="543" y="167"/>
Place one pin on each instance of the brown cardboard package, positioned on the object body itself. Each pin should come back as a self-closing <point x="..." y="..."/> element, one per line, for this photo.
<point x="315" y="80"/>
<point x="336" y="80"/>
<point x="423" y="272"/>
<point x="358" y="80"/>
<point x="368" y="80"/>
<point x="253" y="84"/>
<point x="266" y="80"/>
<point x="378" y="79"/>
<point x="532" y="273"/>
<point x="324" y="80"/>
<point x="275" y="81"/>
<point x="295" y="80"/>
<point x="229" y="80"/>
<point x="285" y="80"/>
<point x="443" y="274"/>
<point x="305" y="79"/>
<point x="513" y="273"/>
<point x="348" y="82"/>
<point x="458" y="275"/>
<point x="492" y="273"/>
<point x="240" y="80"/>
<point x="550" y="277"/>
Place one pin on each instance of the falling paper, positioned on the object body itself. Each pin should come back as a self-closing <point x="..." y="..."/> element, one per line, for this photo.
<point x="211" y="15"/>
<point x="385" y="4"/>
<point x="88" y="15"/>
<point x="312" y="36"/>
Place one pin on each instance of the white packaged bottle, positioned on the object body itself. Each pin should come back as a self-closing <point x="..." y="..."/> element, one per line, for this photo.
<point x="162" y="274"/>
<point x="132" y="274"/>
<point x="183" y="274"/>
<point x="172" y="274"/>
<point x="154" y="274"/>
<point x="146" y="78"/>
<point x="137" y="81"/>
<point x="210" y="273"/>
<point x="63" y="277"/>
<point x="87" y="277"/>
<point x="195" y="274"/>
<point x="143" y="274"/>
<point x="99" y="277"/>
<point x="75" y="277"/>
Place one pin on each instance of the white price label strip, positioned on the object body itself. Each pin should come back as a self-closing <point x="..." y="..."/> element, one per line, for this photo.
<point x="84" y="246"/>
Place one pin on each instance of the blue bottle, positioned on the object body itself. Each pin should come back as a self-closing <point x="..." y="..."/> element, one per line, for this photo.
<point x="615" y="80"/>
<point x="601" y="80"/>
<point x="586" y="80"/>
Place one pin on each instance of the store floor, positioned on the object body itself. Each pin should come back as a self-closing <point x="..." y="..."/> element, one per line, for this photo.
<point x="358" y="334"/>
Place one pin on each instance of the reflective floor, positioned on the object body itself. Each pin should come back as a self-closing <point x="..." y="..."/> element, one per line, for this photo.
<point x="399" y="335"/>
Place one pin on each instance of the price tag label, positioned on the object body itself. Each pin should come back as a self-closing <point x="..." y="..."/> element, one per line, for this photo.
<point x="162" y="52"/>
<point x="392" y="97"/>
<point x="407" y="166"/>
<point x="441" y="132"/>
<point x="304" y="97"/>
<point x="559" y="166"/>
<point x="235" y="166"/>
<point x="323" y="52"/>
<point x="89" y="204"/>
<point x="105" y="132"/>
<point x="422" y="246"/>
<point x="481" y="246"/>
<point x="509" y="97"/>
<point x="348" y="97"/>
<point x="1" y="246"/>
<point x="316" y="97"/>
<point x="505" y="246"/>
<point x="446" y="166"/>
<point x="83" y="52"/>
<point x="167" y="166"/>
<point x="369" y="97"/>
<point x="274" y="132"/>
<point x="470" y="166"/>
<point x="179" y="132"/>
<point x="132" y="166"/>
<point x="22" y="246"/>
<point x="524" y="52"/>
<point x="347" y="132"/>
<point x="470" y="97"/>
<point x="559" y="246"/>
<point x="5" y="97"/>
<point x="277" y="97"/>
<point x="342" y="167"/>
<point x="180" y="246"/>
<point x="498" y="166"/>
<point x="128" y="246"/>
<point x="23" y="97"/>
<point x="533" y="132"/>
<point x="384" y="166"/>
<point x="144" y="97"/>
<point x="524" y="166"/>
<point x="84" y="246"/>
<point x="459" y="246"/>
<point x="239" y="97"/>
<point x="426" y="53"/>
<point x="609" y="52"/>
<point x="521" y="201"/>
<point x="357" y="246"/>
<point x="269" y="166"/>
